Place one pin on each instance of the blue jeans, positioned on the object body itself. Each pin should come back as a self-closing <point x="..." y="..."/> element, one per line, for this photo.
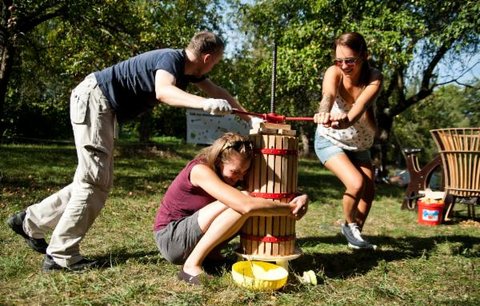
<point x="325" y="149"/>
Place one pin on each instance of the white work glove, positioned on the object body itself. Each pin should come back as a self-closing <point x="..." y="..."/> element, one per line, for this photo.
<point x="255" y="122"/>
<point x="217" y="107"/>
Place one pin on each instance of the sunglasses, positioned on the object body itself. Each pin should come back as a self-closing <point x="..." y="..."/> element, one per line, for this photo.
<point x="349" y="61"/>
<point x="239" y="146"/>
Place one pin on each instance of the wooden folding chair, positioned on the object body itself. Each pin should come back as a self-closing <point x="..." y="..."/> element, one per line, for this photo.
<point x="459" y="149"/>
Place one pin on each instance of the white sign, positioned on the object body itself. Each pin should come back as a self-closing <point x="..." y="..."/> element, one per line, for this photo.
<point x="203" y="128"/>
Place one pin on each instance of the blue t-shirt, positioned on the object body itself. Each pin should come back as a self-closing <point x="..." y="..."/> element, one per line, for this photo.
<point x="130" y="85"/>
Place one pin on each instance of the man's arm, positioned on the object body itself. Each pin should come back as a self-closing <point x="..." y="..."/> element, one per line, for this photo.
<point x="166" y="92"/>
<point x="215" y="91"/>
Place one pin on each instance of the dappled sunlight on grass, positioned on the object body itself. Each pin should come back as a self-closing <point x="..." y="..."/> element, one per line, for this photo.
<point x="414" y="264"/>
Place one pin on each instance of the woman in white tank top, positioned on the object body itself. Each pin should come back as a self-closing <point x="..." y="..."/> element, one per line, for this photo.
<point x="346" y="130"/>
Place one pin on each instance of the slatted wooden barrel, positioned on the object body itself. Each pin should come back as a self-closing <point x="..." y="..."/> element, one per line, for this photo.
<point x="273" y="176"/>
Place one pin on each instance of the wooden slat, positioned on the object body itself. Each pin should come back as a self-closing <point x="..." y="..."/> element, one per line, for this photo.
<point x="261" y="233"/>
<point x="255" y="233"/>
<point x="285" y="168"/>
<point x="276" y="126"/>
<point x="265" y="131"/>
<point x="288" y="229"/>
<point x="248" y="230"/>
<point x="258" y="166"/>
<point x="268" y="233"/>
<point x="264" y="166"/>
<point x="287" y="132"/>
<point x="277" y="178"/>
<point x="295" y="165"/>
<point x="282" y="230"/>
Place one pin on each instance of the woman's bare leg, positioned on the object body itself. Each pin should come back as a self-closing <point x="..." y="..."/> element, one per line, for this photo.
<point x="365" y="203"/>
<point x="225" y="223"/>
<point x="353" y="181"/>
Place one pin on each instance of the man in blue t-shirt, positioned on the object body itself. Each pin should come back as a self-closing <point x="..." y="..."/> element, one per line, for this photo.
<point x="117" y="93"/>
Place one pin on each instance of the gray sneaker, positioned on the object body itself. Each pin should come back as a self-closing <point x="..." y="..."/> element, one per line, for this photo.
<point x="50" y="265"/>
<point x="354" y="238"/>
<point x="15" y="222"/>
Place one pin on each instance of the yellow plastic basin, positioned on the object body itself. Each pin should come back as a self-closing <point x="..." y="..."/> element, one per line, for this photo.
<point x="259" y="275"/>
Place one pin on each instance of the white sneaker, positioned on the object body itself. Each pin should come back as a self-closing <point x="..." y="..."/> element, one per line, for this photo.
<point x="355" y="240"/>
<point x="356" y="231"/>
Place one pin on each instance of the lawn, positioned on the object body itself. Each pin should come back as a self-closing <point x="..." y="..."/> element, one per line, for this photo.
<point x="414" y="265"/>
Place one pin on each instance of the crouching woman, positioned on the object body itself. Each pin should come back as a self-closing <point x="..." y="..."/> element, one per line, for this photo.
<point x="203" y="207"/>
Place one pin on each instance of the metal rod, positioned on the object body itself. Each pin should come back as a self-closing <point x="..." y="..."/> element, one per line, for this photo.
<point x="274" y="77"/>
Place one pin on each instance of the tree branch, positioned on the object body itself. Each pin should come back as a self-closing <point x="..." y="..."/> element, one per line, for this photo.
<point x="428" y="73"/>
<point x="456" y="80"/>
<point x="425" y="88"/>
<point x="27" y="23"/>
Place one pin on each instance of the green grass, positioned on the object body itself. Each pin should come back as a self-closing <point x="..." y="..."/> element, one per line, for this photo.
<point x="415" y="265"/>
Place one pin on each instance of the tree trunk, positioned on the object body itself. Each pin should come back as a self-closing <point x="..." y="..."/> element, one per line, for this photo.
<point x="12" y="25"/>
<point x="384" y="126"/>
<point x="5" y="70"/>
<point x="304" y="143"/>
<point x="8" y="24"/>
<point x="145" y="127"/>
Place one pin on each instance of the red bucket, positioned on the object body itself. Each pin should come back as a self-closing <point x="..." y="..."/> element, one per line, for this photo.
<point x="430" y="213"/>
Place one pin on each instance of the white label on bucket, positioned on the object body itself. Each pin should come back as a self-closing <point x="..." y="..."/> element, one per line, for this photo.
<point x="430" y="215"/>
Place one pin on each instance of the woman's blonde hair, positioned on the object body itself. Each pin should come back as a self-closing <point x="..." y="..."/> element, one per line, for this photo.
<point x="223" y="148"/>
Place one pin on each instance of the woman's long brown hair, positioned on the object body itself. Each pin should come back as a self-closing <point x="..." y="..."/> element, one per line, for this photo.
<point x="356" y="42"/>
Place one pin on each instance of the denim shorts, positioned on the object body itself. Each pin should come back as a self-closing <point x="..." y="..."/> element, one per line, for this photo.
<point x="325" y="149"/>
<point x="178" y="239"/>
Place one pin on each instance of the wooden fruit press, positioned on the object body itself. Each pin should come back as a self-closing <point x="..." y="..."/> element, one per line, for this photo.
<point x="273" y="175"/>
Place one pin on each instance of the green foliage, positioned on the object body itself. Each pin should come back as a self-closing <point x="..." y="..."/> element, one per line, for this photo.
<point x="448" y="107"/>
<point x="406" y="41"/>
<point x="304" y="32"/>
<point x="87" y="36"/>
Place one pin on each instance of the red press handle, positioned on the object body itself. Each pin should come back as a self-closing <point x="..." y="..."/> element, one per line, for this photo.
<point x="272" y="117"/>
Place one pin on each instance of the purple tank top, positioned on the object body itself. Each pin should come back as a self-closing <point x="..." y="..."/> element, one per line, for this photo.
<point x="182" y="199"/>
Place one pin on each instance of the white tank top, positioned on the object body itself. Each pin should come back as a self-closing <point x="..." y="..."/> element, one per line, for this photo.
<point x="358" y="137"/>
